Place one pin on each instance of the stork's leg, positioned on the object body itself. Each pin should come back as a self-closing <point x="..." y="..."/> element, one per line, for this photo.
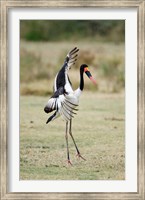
<point x="70" y="132"/>
<point x="66" y="137"/>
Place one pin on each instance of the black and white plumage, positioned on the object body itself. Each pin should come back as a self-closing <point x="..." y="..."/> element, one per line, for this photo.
<point x="65" y="101"/>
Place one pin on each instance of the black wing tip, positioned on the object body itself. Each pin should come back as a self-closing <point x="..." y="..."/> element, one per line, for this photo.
<point x="74" y="50"/>
<point x="77" y="50"/>
<point x="47" y="121"/>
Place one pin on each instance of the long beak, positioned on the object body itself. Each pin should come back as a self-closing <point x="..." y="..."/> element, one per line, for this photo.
<point x="90" y="75"/>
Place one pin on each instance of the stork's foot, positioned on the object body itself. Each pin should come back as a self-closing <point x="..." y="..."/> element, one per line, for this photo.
<point x="69" y="162"/>
<point x="79" y="156"/>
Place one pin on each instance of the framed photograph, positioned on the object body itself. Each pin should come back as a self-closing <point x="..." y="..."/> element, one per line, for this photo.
<point x="99" y="40"/>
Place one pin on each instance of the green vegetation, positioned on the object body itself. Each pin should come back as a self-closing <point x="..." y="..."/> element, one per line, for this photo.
<point x="62" y="30"/>
<point x="98" y="129"/>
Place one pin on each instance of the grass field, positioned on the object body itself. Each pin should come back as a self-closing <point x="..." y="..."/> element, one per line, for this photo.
<point x="98" y="129"/>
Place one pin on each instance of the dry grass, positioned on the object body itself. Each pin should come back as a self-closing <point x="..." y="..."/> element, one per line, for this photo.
<point x="98" y="130"/>
<point x="40" y="61"/>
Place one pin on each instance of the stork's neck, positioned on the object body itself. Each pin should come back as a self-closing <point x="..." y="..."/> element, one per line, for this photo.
<point x="81" y="80"/>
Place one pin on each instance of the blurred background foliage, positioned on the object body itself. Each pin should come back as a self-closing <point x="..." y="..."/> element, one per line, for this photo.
<point x="45" y="43"/>
<point x="56" y="30"/>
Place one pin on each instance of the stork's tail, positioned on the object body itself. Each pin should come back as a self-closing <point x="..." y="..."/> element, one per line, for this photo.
<point x="52" y="117"/>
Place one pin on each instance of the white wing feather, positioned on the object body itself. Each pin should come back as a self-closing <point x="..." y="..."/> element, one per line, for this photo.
<point x="66" y="107"/>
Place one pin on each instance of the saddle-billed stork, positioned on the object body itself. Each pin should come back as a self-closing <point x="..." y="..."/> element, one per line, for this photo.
<point x="64" y="101"/>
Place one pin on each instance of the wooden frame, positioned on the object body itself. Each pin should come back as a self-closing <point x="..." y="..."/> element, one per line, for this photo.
<point x="5" y="6"/>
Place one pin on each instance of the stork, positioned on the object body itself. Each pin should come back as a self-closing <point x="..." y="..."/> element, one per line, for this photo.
<point x="64" y="100"/>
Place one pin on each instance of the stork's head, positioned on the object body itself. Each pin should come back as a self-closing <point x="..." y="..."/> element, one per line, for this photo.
<point x="84" y="68"/>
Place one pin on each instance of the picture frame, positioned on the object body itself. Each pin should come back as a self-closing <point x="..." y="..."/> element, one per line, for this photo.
<point x="5" y="7"/>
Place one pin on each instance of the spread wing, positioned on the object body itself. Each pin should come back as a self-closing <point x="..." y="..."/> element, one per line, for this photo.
<point x="66" y="107"/>
<point x="60" y="79"/>
<point x="71" y="57"/>
<point x="63" y="104"/>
